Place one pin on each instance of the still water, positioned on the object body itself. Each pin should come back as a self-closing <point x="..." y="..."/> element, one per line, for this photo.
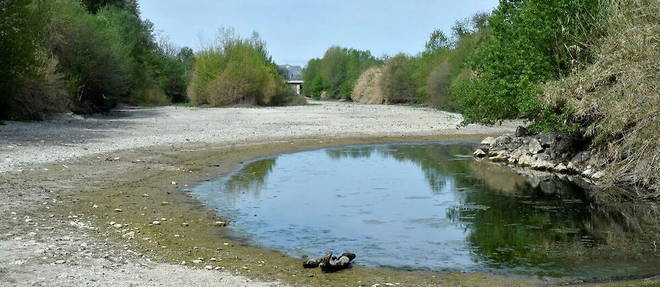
<point x="432" y="207"/>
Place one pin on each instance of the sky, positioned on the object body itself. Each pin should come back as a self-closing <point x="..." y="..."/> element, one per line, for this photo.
<point x="298" y="30"/>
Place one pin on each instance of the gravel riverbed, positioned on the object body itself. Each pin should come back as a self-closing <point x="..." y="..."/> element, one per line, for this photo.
<point x="70" y="136"/>
<point x="46" y="165"/>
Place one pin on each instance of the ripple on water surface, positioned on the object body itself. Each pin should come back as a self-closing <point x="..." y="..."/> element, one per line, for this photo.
<point x="431" y="207"/>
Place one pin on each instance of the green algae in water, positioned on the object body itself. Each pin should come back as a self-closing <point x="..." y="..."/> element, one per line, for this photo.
<point x="429" y="207"/>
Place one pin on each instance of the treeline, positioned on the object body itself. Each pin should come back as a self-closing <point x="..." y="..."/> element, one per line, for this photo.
<point x="88" y="56"/>
<point x="584" y="67"/>
<point x="334" y="75"/>
<point x="85" y="57"/>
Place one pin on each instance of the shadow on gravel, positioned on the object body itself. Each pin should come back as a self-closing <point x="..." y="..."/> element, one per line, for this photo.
<point x="72" y="130"/>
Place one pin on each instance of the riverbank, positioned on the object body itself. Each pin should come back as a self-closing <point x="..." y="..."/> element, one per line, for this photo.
<point x="116" y="212"/>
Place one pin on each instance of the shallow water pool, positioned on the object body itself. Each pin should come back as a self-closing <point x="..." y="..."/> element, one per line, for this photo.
<point x="431" y="207"/>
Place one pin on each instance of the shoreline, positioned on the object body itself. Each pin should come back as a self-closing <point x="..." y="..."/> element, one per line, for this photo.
<point x="58" y="229"/>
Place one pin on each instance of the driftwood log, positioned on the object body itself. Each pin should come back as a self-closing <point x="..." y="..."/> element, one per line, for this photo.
<point x="330" y="263"/>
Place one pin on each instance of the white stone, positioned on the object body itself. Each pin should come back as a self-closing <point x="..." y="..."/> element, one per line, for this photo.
<point x="488" y="141"/>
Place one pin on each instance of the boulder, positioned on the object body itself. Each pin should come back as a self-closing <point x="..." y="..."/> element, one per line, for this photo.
<point x="534" y="146"/>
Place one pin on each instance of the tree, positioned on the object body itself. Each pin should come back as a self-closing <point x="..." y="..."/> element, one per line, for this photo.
<point x="437" y="40"/>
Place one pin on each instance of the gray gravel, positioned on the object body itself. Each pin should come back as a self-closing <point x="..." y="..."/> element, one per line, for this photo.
<point x="38" y="250"/>
<point x="69" y="136"/>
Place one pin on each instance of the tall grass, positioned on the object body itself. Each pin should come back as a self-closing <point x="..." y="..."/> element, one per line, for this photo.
<point x="616" y="100"/>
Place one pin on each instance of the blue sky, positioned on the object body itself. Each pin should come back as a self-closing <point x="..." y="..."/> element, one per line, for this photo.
<point x="298" y="30"/>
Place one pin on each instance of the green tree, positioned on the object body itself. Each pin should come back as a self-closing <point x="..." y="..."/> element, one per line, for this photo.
<point x="337" y="72"/>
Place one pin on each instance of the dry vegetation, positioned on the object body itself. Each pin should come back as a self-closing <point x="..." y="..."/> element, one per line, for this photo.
<point x="368" y="89"/>
<point x="616" y="99"/>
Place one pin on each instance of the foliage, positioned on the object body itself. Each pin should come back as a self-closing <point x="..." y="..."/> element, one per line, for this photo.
<point x="397" y="83"/>
<point x="22" y="32"/>
<point x="236" y="71"/>
<point x="528" y="42"/>
<point x="337" y="72"/>
<point x="92" y="56"/>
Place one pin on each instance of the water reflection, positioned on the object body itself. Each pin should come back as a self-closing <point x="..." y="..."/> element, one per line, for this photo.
<point x="431" y="206"/>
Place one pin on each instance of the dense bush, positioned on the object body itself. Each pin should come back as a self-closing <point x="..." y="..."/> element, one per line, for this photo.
<point x="237" y="71"/>
<point x="336" y="73"/>
<point x="92" y="57"/>
<point x="22" y="34"/>
<point x="398" y="84"/>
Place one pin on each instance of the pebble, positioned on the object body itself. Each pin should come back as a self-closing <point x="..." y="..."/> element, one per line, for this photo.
<point x="117" y="225"/>
<point x="196" y="261"/>
<point x="60" y="262"/>
<point x="118" y="210"/>
<point x="156" y="222"/>
<point x="164" y="203"/>
<point x="208" y="267"/>
<point x="221" y="223"/>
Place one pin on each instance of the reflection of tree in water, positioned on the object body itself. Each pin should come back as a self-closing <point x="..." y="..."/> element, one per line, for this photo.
<point x="438" y="164"/>
<point x="251" y="177"/>
<point x="555" y="225"/>
<point x="513" y="223"/>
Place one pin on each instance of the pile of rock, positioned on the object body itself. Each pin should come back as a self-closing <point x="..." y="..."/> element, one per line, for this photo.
<point x="554" y="152"/>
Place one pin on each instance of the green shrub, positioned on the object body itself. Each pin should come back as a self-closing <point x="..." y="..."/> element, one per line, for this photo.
<point x="236" y="71"/>
<point x="41" y="93"/>
<point x="398" y="84"/>
<point x="92" y="57"/>
<point x="528" y="43"/>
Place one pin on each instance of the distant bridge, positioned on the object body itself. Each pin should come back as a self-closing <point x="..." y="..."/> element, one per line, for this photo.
<point x="297" y="85"/>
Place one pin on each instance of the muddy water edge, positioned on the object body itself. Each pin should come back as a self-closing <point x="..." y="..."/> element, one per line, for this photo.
<point x="144" y="192"/>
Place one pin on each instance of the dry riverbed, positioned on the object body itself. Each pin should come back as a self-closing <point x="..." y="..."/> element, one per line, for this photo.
<point x="102" y="201"/>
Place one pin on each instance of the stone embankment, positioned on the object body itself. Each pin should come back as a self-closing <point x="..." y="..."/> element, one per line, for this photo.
<point x="552" y="152"/>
